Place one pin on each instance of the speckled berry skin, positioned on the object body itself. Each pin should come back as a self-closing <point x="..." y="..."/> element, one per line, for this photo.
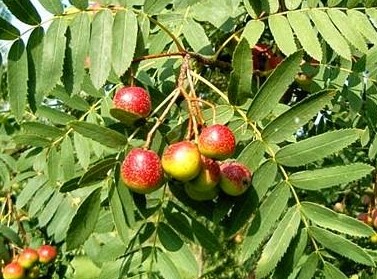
<point x="208" y="177"/>
<point x="133" y="99"/>
<point x="13" y="270"/>
<point x="141" y="171"/>
<point x="181" y="160"/>
<point x="235" y="178"/>
<point x="28" y="257"/>
<point x="217" y="142"/>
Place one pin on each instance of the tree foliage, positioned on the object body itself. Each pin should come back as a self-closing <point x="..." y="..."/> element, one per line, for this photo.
<point x="303" y="111"/>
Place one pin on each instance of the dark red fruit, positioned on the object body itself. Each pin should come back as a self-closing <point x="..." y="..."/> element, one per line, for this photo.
<point x="217" y="142"/>
<point x="28" y="258"/>
<point x="142" y="171"/>
<point x="235" y="178"/>
<point x="47" y="254"/>
<point x="13" y="270"/>
<point x="134" y="100"/>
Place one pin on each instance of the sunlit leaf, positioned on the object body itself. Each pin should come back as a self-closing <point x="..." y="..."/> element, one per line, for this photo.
<point x="100" y="47"/>
<point x="53" y="6"/>
<point x="252" y="32"/>
<point x="79" y="44"/>
<point x="196" y="37"/>
<point x="341" y="246"/>
<point x="329" y="33"/>
<point x="53" y="55"/>
<point x="329" y="219"/>
<point x="118" y="214"/>
<point x="317" y="147"/>
<point x="17" y="78"/>
<point x="239" y="88"/>
<point x="98" y="171"/>
<point x="282" y="32"/>
<point x="168" y="237"/>
<point x="305" y="33"/>
<point x="364" y="26"/>
<point x="54" y="115"/>
<point x="125" y="32"/>
<point x="309" y="268"/>
<point x="252" y="154"/>
<point x="330" y="176"/>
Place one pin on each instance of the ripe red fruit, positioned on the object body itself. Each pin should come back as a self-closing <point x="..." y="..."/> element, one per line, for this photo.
<point x="235" y="178"/>
<point x="181" y="160"/>
<point x="141" y="171"/>
<point x="28" y="257"/>
<point x="366" y="218"/>
<point x="134" y="100"/>
<point x="47" y="254"/>
<point x="217" y="142"/>
<point x="13" y="270"/>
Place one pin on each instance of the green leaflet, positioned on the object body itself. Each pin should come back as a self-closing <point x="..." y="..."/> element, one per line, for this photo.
<point x="292" y="4"/>
<point x="265" y="218"/>
<point x="340" y="20"/>
<point x="125" y="31"/>
<point x="100" y="47"/>
<point x="239" y="88"/>
<point x="308" y="269"/>
<point x="185" y="261"/>
<point x="165" y="265"/>
<point x="8" y="31"/>
<point x="305" y="33"/>
<point x="84" y="220"/>
<point x="373" y="149"/>
<point x="252" y="154"/>
<point x="168" y="237"/>
<point x="100" y="134"/>
<point x="118" y="213"/>
<point x="35" y="56"/>
<point x="53" y="160"/>
<point x="332" y="272"/>
<point x="274" y="87"/>
<point x="53" y="6"/>
<point x="264" y="177"/>
<point x="329" y="33"/>
<point x="67" y="158"/>
<point x="329" y="219"/>
<point x="279" y="242"/>
<point x="97" y="172"/>
<point x="24" y="11"/>
<point x="17" y="78"/>
<point x="80" y="4"/>
<point x="153" y="7"/>
<point x="54" y="115"/>
<point x="362" y="24"/>
<point x="317" y="147"/>
<point x="196" y="37"/>
<point x="41" y="129"/>
<point x="270" y="6"/>
<point x="282" y="32"/>
<point x="287" y="123"/>
<point x="10" y="234"/>
<point x="252" y="32"/>
<point x="49" y="210"/>
<point x="341" y="246"/>
<point x="53" y="56"/>
<point x="79" y="44"/>
<point x="330" y="176"/>
<point x="32" y="186"/>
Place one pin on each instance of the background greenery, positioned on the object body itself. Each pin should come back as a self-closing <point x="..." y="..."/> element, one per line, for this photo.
<point x="307" y="129"/>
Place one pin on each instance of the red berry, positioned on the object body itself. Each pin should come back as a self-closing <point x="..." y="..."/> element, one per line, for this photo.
<point x="47" y="254"/>
<point x="28" y="258"/>
<point x="235" y="178"/>
<point x="13" y="270"/>
<point x="217" y="142"/>
<point x="135" y="100"/>
<point x="142" y="171"/>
